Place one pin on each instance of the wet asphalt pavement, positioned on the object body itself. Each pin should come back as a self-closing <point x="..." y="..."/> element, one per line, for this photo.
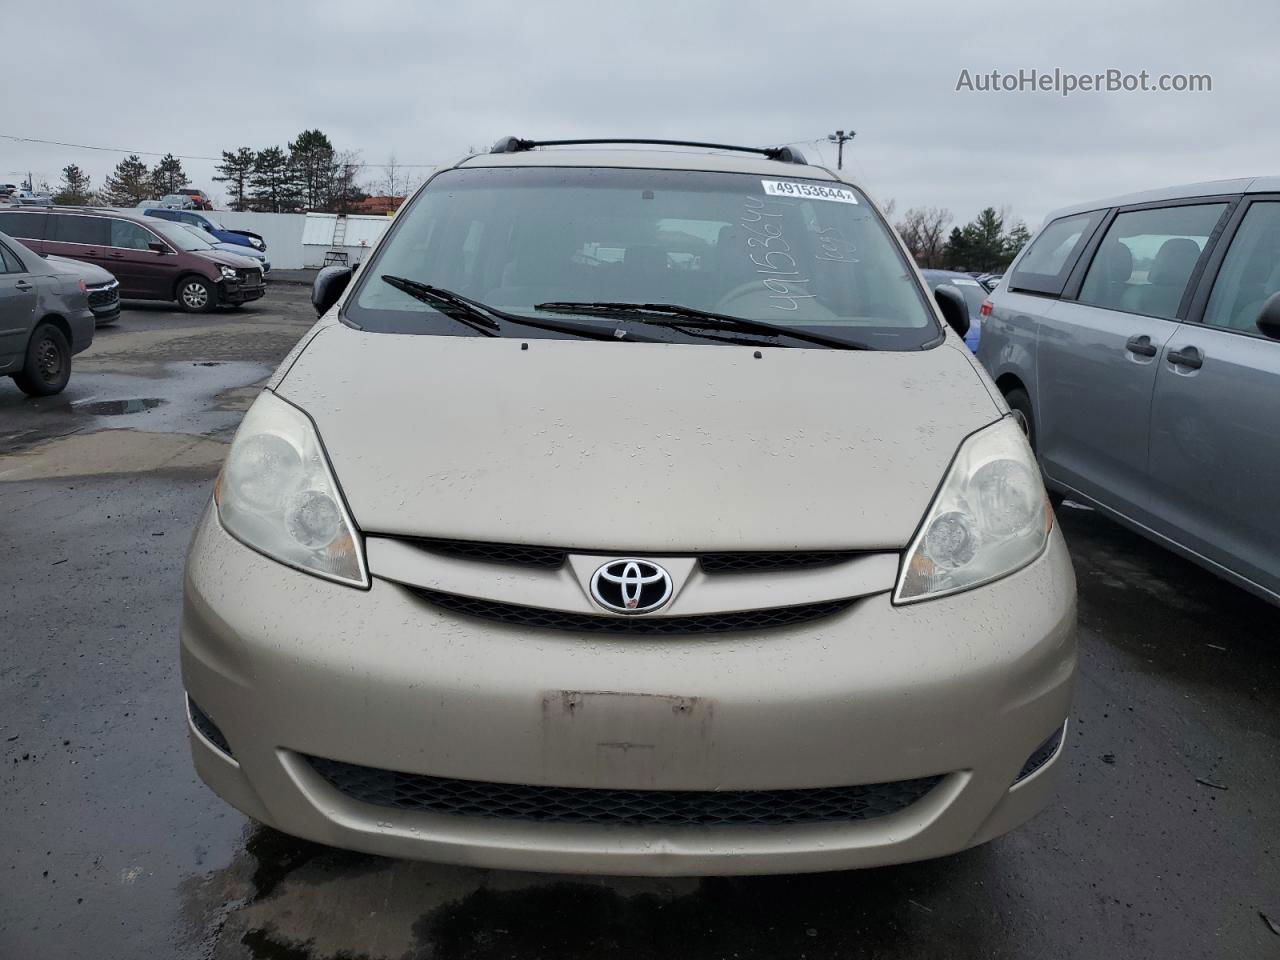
<point x="1164" y="840"/>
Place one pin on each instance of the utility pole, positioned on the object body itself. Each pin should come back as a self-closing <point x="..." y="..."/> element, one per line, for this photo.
<point x="840" y="138"/>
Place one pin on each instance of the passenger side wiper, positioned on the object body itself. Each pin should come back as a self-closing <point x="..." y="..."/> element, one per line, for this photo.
<point x="678" y="317"/>
<point x="484" y="319"/>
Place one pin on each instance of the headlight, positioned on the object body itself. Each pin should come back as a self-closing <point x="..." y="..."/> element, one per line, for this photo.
<point x="989" y="518"/>
<point x="254" y="242"/>
<point x="277" y="495"/>
<point x="228" y="273"/>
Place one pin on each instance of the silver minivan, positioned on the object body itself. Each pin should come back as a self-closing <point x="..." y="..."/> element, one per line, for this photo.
<point x="632" y="511"/>
<point x="1139" y="340"/>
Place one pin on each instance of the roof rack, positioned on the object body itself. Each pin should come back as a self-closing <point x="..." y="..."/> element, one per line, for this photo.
<point x="517" y="145"/>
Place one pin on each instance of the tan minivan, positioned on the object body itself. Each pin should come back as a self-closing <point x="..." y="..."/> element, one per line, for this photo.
<point x="632" y="511"/>
<point x="153" y="259"/>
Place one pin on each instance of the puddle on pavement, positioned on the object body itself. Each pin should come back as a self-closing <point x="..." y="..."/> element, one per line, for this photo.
<point x="118" y="408"/>
<point x="201" y="399"/>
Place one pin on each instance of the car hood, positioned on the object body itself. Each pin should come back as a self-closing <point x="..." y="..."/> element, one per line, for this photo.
<point x="637" y="446"/>
<point x="237" y="260"/>
<point x="88" y="272"/>
<point x="239" y="250"/>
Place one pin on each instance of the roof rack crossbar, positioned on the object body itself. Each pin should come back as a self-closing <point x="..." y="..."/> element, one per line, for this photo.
<point x="516" y="144"/>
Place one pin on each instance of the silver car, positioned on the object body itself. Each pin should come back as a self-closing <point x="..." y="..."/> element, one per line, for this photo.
<point x="239" y="249"/>
<point x="632" y="512"/>
<point x="1138" y="339"/>
<point x="44" y="319"/>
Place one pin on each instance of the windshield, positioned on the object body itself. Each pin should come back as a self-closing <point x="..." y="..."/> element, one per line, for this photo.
<point x="182" y="237"/>
<point x="801" y="253"/>
<point x="203" y="234"/>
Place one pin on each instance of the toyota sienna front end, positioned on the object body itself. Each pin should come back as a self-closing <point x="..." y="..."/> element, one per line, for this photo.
<point x="635" y="513"/>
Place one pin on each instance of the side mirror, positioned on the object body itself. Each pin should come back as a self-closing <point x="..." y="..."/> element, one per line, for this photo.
<point x="155" y="246"/>
<point x="1269" y="319"/>
<point x="954" y="310"/>
<point x="329" y="284"/>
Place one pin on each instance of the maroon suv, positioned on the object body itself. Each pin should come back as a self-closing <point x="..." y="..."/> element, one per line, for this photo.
<point x="153" y="259"/>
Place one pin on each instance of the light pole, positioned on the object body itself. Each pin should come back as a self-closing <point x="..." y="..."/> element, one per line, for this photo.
<point x="840" y="138"/>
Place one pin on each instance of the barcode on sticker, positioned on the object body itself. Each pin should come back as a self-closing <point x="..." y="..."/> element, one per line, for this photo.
<point x="808" y="191"/>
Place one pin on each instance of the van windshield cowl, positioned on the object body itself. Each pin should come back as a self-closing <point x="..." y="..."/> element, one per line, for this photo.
<point x="807" y="256"/>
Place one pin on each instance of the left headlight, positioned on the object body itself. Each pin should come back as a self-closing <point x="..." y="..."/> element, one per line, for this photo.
<point x="989" y="518"/>
<point x="277" y="494"/>
<point x="228" y="273"/>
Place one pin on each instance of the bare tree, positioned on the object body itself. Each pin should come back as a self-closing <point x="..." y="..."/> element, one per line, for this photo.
<point x="924" y="231"/>
<point x="395" y="180"/>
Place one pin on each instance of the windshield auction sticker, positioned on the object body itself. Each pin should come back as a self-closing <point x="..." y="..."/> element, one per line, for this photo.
<point x="811" y="191"/>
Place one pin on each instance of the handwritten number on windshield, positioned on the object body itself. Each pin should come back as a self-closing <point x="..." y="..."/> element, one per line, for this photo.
<point x="777" y="261"/>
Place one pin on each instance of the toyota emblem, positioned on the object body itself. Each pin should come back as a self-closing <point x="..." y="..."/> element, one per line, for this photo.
<point x="631" y="586"/>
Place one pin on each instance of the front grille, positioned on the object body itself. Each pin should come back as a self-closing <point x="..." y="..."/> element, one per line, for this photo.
<point x="589" y="623"/>
<point x="525" y="555"/>
<point x="251" y="277"/>
<point x="1042" y="754"/>
<point x="507" y="801"/>
<point x="510" y="553"/>
<point x="104" y="296"/>
<point x="747" y="562"/>
<point x="200" y="720"/>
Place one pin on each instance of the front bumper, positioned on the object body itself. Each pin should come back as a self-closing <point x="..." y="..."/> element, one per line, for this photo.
<point x="288" y="665"/>
<point x="235" y="292"/>
<point x="83" y="324"/>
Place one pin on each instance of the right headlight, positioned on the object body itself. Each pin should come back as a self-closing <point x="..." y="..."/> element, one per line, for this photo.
<point x="277" y="495"/>
<point x="989" y="518"/>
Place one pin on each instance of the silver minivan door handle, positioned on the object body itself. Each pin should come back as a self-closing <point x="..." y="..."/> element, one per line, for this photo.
<point x="22" y="285"/>
<point x="1186" y="357"/>
<point x="1141" y="345"/>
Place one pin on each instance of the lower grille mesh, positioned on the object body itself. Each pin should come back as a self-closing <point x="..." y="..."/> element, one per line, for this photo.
<point x="747" y="562"/>
<point x="589" y="623"/>
<point x="505" y="801"/>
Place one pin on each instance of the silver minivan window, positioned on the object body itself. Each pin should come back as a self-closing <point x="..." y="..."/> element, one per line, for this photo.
<point x="1147" y="257"/>
<point x="1250" y="273"/>
<point x="801" y="253"/>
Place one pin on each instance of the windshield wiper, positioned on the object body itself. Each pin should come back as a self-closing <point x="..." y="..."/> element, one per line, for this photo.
<point x="484" y="319"/>
<point x="448" y="303"/>
<point x="677" y="316"/>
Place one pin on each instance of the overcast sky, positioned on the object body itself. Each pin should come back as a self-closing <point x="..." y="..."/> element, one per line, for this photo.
<point x="424" y="81"/>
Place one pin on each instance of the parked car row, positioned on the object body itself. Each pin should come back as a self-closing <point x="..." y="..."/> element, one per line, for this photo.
<point x="64" y="267"/>
<point x="185" y="199"/>
<point x="152" y="259"/>
<point x="243" y="238"/>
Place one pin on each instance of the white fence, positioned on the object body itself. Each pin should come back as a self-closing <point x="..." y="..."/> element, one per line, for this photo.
<point x="298" y="240"/>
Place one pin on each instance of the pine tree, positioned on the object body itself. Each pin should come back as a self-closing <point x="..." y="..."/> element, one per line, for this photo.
<point x="317" y="168"/>
<point x="957" y="250"/>
<point x="1015" y="240"/>
<point x="75" y="189"/>
<point x="129" y="184"/>
<point x="236" y="170"/>
<point x="274" y="182"/>
<point x="168" y="176"/>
